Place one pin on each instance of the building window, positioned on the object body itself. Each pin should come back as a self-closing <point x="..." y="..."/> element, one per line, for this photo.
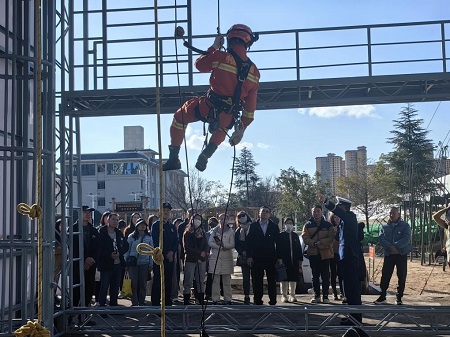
<point x="101" y="201"/>
<point x="124" y="168"/>
<point x="88" y="169"/>
<point x="100" y="168"/>
<point x="101" y="185"/>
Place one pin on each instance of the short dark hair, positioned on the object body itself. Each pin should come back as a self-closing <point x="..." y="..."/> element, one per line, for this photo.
<point x="262" y="207"/>
<point x="318" y="206"/>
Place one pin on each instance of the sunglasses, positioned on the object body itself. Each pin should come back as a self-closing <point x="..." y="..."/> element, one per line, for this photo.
<point x="242" y="215"/>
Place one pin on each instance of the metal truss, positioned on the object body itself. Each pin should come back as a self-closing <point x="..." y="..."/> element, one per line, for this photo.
<point x="277" y="95"/>
<point x="278" y="320"/>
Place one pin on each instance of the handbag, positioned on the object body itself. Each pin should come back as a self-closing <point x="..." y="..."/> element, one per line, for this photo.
<point x="132" y="260"/>
<point x="281" y="272"/>
<point x="126" y="286"/>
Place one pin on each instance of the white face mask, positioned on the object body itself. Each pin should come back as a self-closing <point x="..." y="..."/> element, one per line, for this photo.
<point x="197" y="223"/>
<point x="289" y="227"/>
<point x="243" y="219"/>
<point x="231" y="224"/>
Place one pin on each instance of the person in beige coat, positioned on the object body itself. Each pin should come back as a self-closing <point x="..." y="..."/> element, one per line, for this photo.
<point x="319" y="236"/>
<point x="221" y="261"/>
<point x="444" y="223"/>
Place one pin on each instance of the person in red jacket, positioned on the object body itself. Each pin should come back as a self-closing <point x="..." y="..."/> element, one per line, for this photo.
<point x="234" y="85"/>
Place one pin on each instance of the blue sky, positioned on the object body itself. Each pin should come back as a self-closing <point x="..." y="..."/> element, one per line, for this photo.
<point x="279" y="139"/>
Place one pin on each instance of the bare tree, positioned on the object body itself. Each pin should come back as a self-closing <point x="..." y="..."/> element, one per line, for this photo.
<point x="197" y="193"/>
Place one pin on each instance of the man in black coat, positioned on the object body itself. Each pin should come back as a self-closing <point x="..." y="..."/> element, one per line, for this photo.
<point x="349" y="251"/>
<point x="89" y="259"/>
<point x="170" y="246"/>
<point x="262" y="255"/>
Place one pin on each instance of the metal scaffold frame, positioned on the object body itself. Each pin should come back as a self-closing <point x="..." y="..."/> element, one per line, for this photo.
<point x="18" y="155"/>
<point x="86" y="85"/>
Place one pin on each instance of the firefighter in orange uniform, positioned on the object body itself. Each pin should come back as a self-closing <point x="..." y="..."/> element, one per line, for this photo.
<point x="234" y="85"/>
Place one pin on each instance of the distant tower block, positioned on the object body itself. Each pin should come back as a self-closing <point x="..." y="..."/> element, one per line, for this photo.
<point x="133" y="138"/>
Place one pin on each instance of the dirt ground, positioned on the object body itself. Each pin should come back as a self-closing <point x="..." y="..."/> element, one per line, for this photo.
<point x="423" y="279"/>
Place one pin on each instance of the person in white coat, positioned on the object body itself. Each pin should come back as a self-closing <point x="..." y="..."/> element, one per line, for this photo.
<point x="221" y="261"/>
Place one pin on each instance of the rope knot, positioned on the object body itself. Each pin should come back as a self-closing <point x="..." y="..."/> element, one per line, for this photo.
<point x="33" y="329"/>
<point x="33" y="212"/>
<point x="154" y="252"/>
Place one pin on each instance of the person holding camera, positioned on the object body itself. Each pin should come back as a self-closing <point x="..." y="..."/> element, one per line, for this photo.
<point x="138" y="265"/>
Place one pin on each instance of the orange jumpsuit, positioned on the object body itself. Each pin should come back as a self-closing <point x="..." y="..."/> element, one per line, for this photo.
<point x="223" y="81"/>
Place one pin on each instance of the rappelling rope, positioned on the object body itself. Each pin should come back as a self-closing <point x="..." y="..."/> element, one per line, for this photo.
<point x="35" y="211"/>
<point x="159" y="258"/>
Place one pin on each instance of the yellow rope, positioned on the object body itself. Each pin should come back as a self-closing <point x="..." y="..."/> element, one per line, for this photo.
<point x="161" y="189"/>
<point x="35" y="211"/>
<point x="33" y="329"/>
<point x="154" y="252"/>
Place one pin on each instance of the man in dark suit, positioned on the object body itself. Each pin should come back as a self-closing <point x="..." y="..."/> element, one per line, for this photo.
<point x="349" y="250"/>
<point x="262" y="255"/>
<point x="89" y="236"/>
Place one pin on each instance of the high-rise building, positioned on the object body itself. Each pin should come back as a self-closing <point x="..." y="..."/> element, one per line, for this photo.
<point x="355" y="160"/>
<point x="330" y="168"/>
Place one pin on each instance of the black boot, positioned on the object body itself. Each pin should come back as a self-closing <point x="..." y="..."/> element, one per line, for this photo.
<point x="207" y="152"/>
<point x="186" y="298"/>
<point x="173" y="163"/>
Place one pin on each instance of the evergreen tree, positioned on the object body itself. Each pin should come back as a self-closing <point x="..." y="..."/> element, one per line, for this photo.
<point x="412" y="158"/>
<point x="246" y="180"/>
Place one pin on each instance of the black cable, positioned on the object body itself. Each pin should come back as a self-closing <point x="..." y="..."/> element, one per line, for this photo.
<point x="433" y="115"/>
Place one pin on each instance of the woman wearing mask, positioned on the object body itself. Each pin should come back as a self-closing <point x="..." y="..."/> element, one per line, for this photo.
<point x="195" y="250"/>
<point x="221" y="261"/>
<point x="243" y="222"/>
<point x="138" y="274"/>
<point x="290" y="251"/>
<point x="334" y="262"/>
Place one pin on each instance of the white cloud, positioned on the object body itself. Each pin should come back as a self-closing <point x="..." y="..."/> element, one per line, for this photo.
<point x="195" y="140"/>
<point x="263" y="146"/>
<point x="356" y="111"/>
<point x="241" y="145"/>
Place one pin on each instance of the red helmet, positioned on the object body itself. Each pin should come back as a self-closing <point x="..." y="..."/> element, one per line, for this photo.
<point x="242" y="32"/>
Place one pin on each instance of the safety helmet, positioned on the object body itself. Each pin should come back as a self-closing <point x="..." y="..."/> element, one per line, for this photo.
<point x="242" y="32"/>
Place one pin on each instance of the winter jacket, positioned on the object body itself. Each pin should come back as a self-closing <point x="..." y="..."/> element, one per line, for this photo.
<point x="132" y="245"/>
<point x="322" y="241"/>
<point x="90" y="241"/>
<point x="194" y="246"/>
<point x="395" y="234"/>
<point x="170" y="237"/>
<point x="289" y="248"/>
<point x="106" y="248"/>
<point x="225" y="264"/>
